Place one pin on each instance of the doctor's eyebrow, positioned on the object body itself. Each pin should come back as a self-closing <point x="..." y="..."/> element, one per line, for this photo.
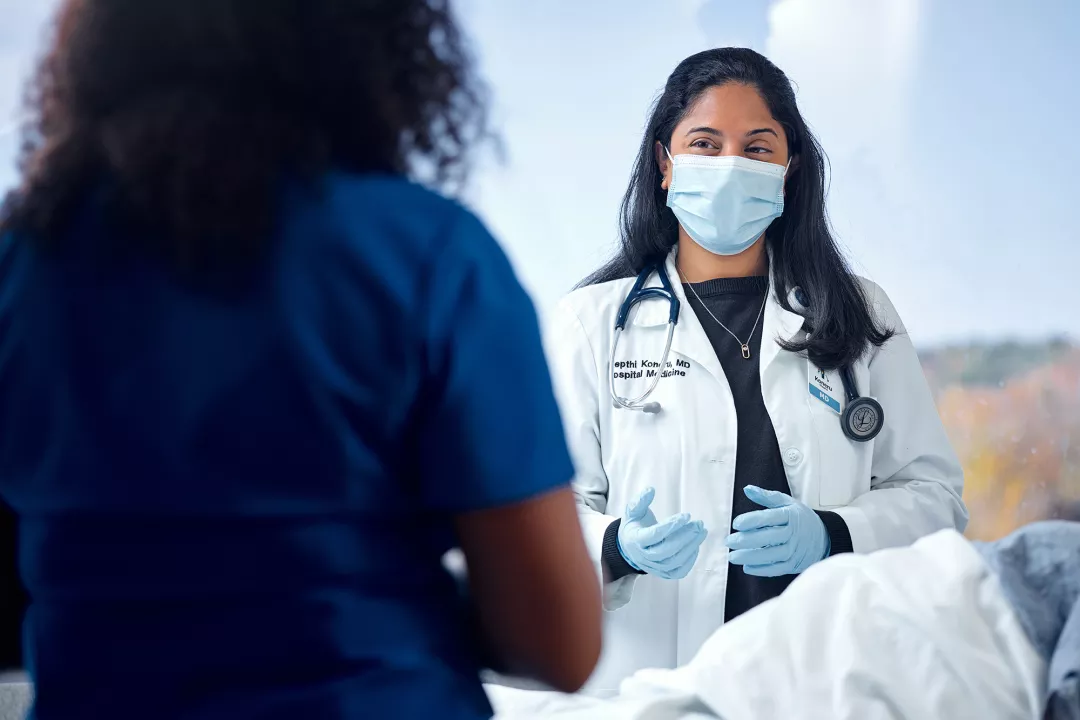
<point x="714" y="131"/>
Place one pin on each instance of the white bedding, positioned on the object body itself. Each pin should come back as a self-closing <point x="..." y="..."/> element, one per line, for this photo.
<point x="904" y="634"/>
<point x="514" y="704"/>
<point x="15" y="696"/>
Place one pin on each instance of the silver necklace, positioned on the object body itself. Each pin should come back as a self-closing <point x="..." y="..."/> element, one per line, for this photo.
<point x="745" y="345"/>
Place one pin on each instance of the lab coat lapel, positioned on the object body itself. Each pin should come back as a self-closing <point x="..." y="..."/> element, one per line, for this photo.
<point x="690" y="339"/>
<point x="779" y="323"/>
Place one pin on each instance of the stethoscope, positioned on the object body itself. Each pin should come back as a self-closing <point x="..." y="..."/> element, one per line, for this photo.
<point x="861" y="419"/>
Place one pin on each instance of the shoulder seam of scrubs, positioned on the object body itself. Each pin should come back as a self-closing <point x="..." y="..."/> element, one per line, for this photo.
<point x="449" y="229"/>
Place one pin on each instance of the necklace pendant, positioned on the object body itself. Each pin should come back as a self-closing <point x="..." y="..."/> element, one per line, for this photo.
<point x="746" y="351"/>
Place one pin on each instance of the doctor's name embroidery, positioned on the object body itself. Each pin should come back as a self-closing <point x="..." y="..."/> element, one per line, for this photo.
<point x="632" y="369"/>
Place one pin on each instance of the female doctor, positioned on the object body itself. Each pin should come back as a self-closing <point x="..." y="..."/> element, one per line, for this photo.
<point x="788" y="418"/>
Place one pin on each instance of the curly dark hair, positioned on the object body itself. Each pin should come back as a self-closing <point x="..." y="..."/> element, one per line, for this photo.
<point x="185" y="116"/>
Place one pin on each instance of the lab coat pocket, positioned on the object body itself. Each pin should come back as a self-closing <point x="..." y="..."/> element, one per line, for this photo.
<point x="844" y="464"/>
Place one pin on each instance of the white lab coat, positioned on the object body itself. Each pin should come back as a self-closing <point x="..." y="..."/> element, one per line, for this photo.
<point x="891" y="491"/>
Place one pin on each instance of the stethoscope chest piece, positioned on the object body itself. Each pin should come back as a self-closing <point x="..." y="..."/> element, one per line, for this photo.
<point x="863" y="419"/>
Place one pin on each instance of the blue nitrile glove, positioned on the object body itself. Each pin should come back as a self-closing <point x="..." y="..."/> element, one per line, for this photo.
<point x="667" y="550"/>
<point x="785" y="539"/>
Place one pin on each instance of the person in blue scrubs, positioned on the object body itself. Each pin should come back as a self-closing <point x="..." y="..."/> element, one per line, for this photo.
<point x="254" y="384"/>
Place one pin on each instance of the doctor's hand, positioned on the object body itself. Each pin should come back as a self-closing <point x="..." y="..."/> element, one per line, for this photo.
<point x="785" y="539"/>
<point x="668" y="549"/>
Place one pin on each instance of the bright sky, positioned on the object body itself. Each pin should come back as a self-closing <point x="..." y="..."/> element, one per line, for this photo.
<point x="950" y="124"/>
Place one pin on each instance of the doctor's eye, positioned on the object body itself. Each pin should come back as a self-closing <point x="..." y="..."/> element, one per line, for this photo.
<point x="703" y="144"/>
<point x="758" y="150"/>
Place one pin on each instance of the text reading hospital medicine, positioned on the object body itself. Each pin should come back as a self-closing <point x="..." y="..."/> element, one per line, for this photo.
<point x="628" y="369"/>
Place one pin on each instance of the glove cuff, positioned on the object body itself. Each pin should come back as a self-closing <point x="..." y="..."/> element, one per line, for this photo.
<point x="837" y="530"/>
<point x="612" y="557"/>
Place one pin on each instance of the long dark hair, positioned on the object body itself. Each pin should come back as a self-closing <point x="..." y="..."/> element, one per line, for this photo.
<point x="804" y="253"/>
<point x="191" y="112"/>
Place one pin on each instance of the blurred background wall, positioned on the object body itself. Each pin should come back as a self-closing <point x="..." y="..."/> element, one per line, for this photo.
<point x="951" y="126"/>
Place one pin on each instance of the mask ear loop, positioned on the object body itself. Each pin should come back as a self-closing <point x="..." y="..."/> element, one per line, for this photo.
<point x="783" y="188"/>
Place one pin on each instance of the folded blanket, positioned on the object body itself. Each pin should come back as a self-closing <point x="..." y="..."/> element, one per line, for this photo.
<point x="1039" y="570"/>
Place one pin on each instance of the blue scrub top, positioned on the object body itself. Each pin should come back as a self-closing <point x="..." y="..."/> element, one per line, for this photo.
<point x="236" y="507"/>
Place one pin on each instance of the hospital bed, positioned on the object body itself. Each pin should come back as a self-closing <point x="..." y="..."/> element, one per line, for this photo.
<point x="930" y="631"/>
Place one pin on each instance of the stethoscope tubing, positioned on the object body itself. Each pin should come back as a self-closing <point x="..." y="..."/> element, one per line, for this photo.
<point x="861" y="420"/>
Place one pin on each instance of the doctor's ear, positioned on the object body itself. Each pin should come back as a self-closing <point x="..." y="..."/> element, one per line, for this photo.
<point x="792" y="168"/>
<point x="664" y="164"/>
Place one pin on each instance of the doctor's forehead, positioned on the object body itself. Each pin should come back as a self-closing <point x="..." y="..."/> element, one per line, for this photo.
<point x="729" y="108"/>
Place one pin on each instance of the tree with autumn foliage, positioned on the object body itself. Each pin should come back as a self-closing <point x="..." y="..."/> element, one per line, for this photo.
<point x="1017" y="432"/>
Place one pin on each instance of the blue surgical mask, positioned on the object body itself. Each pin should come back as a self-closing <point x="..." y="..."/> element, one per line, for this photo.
<point x="725" y="203"/>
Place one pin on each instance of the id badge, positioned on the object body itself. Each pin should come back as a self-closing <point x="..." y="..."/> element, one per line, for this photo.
<point x="824" y="386"/>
